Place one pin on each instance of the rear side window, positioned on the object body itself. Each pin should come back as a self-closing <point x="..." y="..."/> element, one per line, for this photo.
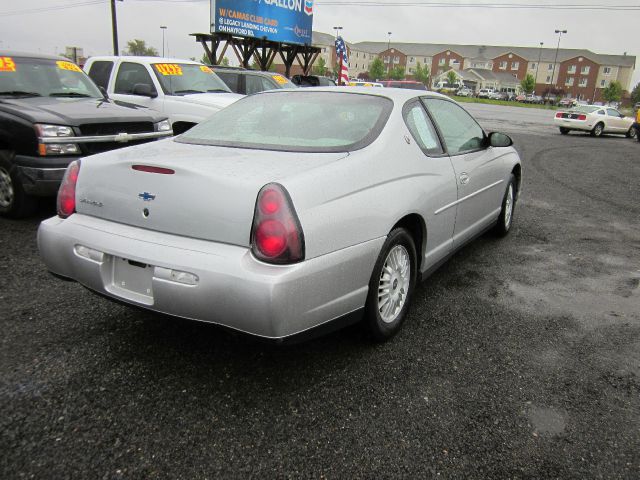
<point x="257" y="84"/>
<point x="100" y="72"/>
<point x="421" y="128"/>
<point x="130" y="75"/>
<point x="461" y="133"/>
<point x="231" y="79"/>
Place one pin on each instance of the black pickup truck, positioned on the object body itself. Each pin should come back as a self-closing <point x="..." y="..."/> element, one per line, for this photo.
<point x="51" y="113"/>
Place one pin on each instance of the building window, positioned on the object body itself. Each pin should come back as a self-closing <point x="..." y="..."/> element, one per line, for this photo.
<point x="386" y="59"/>
<point x="515" y="65"/>
<point x="533" y="66"/>
<point x="396" y="59"/>
<point x="411" y="70"/>
<point x="411" y="60"/>
<point x="603" y="83"/>
<point x="441" y="61"/>
<point x="583" y="82"/>
<point x="585" y="70"/>
<point x="550" y="67"/>
<point x="607" y="70"/>
<point x="503" y="65"/>
<point x="425" y="60"/>
<point x="548" y="79"/>
<point x="569" y="82"/>
<point x="572" y="69"/>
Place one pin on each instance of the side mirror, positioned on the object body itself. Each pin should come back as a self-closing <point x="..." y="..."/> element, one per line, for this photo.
<point x="497" y="139"/>
<point x="144" y="90"/>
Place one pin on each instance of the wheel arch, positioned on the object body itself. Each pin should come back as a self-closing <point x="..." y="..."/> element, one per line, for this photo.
<point x="417" y="228"/>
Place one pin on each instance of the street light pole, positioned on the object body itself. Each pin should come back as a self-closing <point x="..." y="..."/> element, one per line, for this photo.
<point x="337" y="29"/>
<point x="553" y="74"/>
<point x="538" y="65"/>
<point x="114" y="27"/>
<point x="163" y="28"/>
<point x="388" y="50"/>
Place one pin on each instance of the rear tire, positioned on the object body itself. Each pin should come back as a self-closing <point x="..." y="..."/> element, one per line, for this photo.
<point x="391" y="286"/>
<point x="598" y="130"/>
<point x="505" y="220"/>
<point x="14" y="202"/>
<point x="564" y="131"/>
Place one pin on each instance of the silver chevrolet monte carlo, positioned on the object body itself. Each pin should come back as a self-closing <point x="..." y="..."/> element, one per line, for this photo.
<point x="287" y="213"/>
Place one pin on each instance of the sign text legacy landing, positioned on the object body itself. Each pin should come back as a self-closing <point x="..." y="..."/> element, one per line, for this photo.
<point x="286" y="21"/>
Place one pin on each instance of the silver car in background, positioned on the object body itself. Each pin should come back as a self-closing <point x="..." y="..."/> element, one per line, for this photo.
<point x="287" y="213"/>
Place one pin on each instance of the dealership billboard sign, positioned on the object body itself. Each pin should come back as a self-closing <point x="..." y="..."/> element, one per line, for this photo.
<point x="287" y="21"/>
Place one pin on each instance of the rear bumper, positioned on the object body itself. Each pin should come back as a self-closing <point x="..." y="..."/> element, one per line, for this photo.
<point x="233" y="289"/>
<point x="586" y="125"/>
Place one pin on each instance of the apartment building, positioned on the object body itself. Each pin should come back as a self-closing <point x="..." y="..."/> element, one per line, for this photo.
<point x="576" y="73"/>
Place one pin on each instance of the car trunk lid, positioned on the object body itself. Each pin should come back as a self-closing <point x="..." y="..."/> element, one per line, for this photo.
<point x="196" y="191"/>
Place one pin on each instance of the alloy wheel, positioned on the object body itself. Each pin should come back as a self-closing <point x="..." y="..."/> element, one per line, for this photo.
<point x="393" y="286"/>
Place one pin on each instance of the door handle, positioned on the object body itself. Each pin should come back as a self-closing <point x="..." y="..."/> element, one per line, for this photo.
<point x="464" y="178"/>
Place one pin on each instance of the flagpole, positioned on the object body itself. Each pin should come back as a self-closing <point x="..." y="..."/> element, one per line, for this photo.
<point x="340" y="72"/>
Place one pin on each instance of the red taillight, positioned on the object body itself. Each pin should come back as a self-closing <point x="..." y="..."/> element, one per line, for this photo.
<point x="276" y="235"/>
<point x="582" y="117"/>
<point x="559" y="115"/>
<point x="67" y="192"/>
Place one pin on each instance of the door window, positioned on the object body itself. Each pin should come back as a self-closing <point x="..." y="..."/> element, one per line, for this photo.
<point x="231" y="79"/>
<point x="130" y="75"/>
<point x="612" y="112"/>
<point x="100" y="72"/>
<point x="421" y="129"/>
<point x="461" y="133"/>
<point x="256" y="83"/>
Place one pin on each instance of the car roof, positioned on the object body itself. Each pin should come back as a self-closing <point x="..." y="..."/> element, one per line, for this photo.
<point x="13" y="53"/>
<point x="396" y="94"/>
<point x="145" y="60"/>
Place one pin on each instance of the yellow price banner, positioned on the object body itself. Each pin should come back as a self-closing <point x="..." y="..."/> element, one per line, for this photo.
<point x="280" y="79"/>
<point x="68" y="66"/>
<point x="206" y="69"/>
<point x="7" y="64"/>
<point x="168" y="68"/>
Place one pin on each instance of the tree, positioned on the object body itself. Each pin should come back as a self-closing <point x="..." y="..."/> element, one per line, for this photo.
<point x="396" y="73"/>
<point x="528" y="83"/>
<point x="139" y="48"/>
<point x="635" y="94"/>
<point x="321" y="67"/>
<point x="422" y="73"/>
<point x="376" y="69"/>
<point x="452" y="78"/>
<point x="612" y="93"/>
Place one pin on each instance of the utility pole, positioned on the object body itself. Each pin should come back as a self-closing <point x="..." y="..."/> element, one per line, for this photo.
<point x="538" y="66"/>
<point x="163" y="28"/>
<point x="389" y="50"/>
<point x="553" y="81"/>
<point x="114" y="27"/>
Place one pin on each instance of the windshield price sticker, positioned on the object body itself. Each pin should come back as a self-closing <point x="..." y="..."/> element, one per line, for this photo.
<point x="68" y="66"/>
<point x="168" y="68"/>
<point x="206" y="69"/>
<point x="7" y="64"/>
<point x="280" y="79"/>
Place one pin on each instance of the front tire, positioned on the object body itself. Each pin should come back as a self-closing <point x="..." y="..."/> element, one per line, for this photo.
<point x="505" y="220"/>
<point x="598" y="130"/>
<point x="564" y="131"/>
<point x="14" y="202"/>
<point x="391" y="286"/>
<point x="632" y="132"/>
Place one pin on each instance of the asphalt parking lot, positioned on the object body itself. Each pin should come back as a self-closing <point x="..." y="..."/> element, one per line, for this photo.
<point x="520" y="358"/>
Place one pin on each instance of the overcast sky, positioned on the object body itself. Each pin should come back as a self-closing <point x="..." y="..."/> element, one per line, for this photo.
<point x="89" y="26"/>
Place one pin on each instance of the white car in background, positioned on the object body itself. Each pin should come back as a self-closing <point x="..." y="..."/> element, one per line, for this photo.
<point x="186" y="91"/>
<point x="596" y="120"/>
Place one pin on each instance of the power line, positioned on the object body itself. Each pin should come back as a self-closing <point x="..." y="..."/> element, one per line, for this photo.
<point x="51" y="8"/>
<point x="536" y="6"/>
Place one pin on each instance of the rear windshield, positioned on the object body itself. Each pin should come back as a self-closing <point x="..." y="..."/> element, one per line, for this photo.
<point x="187" y="78"/>
<point x="585" y="109"/>
<point x="295" y="121"/>
<point x="25" y="76"/>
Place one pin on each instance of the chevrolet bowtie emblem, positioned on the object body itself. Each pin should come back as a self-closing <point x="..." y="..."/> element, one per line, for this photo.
<point x="146" y="196"/>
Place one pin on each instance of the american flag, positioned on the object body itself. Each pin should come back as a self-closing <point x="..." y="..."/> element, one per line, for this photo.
<point x="341" y="52"/>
